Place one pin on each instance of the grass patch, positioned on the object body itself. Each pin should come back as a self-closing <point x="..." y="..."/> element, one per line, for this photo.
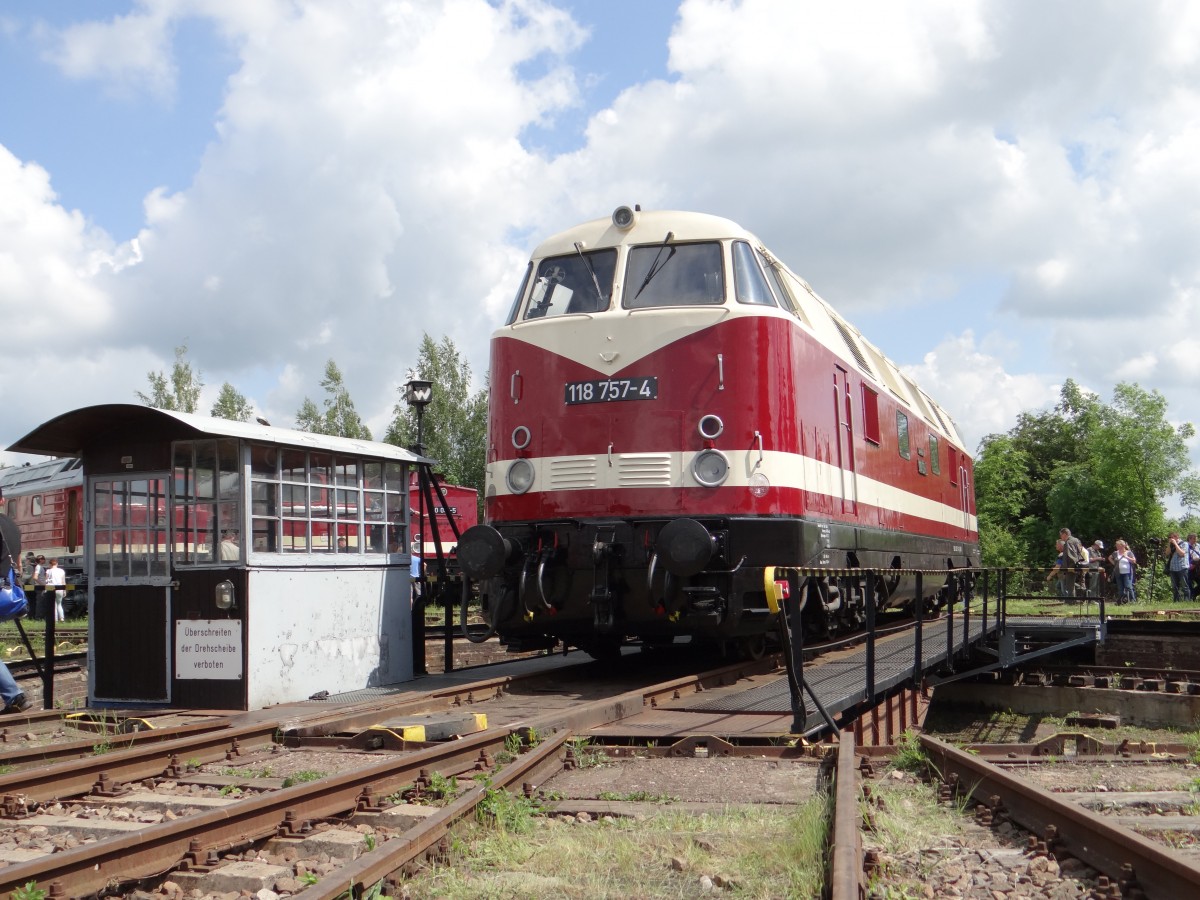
<point x="587" y="756"/>
<point x="301" y="777"/>
<point x="638" y="797"/>
<point x="907" y="823"/>
<point x="264" y="772"/>
<point x="910" y="757"/>
<point x="768" y="852"/>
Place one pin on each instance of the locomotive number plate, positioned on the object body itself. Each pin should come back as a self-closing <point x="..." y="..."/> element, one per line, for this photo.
<point x="642" y="388"/>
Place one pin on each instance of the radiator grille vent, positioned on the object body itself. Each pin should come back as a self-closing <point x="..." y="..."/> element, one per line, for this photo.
<point x="645" y="470"/>
<point x="577" y="473"/>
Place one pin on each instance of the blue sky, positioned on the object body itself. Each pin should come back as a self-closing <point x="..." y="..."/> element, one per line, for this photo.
<point x="106" y="146"/>
<point x="997" y="194"/>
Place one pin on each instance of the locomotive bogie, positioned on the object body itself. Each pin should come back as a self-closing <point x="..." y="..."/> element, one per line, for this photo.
<point x="579" y="579"/>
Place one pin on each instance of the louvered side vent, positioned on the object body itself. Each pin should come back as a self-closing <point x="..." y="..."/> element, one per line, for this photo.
<point x="941" y="421"/>
<point x="852" y="346"/>
<point x="646" y="470"/>
<point x="576" y="473"/>
<point x="919" y="400"/>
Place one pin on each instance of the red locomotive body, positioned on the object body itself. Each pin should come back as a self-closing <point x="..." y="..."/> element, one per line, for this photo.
<point x="45" y="501"/>
<point x="673" y="412"/>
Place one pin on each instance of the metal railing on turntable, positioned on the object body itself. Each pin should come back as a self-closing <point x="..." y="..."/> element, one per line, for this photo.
<point x="971" y="632"/>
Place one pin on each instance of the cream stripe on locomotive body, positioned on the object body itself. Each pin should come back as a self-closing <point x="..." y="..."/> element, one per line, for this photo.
<point x="666" y="369"/>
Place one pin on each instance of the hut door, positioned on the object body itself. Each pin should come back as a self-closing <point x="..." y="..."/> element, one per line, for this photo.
<point x="128" y="557"/>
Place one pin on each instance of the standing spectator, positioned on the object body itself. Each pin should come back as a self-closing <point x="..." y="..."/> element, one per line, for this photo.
<point x="1193" y="552"/>
<point x="1064" y="586"/>
<point x="56" y="589"/>
<point x="40" y="602"/>
<point x="415" y="573"/>
<point x="1097" y="575"/>
<point x="1074" y="556"/>
<point x="1177" y="567"/>
<point x="1124" y="564"/>
<point x="14" y="603"/>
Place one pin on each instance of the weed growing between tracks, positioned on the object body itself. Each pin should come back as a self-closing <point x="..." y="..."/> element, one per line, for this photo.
<point x="512" y="850"/>
<point x="907" y="824"/>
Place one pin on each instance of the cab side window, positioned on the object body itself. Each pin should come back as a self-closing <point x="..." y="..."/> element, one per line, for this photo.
<point x="750" y="283"/>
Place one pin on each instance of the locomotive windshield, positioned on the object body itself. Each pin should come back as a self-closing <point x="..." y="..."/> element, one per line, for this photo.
<point x="674" y="275"/>
<point x="578" y="283"/>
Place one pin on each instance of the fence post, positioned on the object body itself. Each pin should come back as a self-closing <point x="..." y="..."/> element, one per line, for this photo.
<point x="918" y="670"/>
<point x="952" y="585"/>
<point x="870" y="605"/>
<point x="964" y="581"/>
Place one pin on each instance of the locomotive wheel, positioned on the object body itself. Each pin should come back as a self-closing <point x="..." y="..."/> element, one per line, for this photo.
<point x="752" y="647"/>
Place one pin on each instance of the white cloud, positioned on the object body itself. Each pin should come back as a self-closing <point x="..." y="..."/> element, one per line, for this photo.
<point x="369" y="180"/>
<point x="977" y="390"/>
<point x="130" y="53"/>
<point x="47" y="255"/>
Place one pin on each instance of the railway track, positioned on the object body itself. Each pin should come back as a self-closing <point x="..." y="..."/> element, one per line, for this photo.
<point x="50" y="796"/>
<point x="126" y="802"/>
<point x="1112" y="818"/>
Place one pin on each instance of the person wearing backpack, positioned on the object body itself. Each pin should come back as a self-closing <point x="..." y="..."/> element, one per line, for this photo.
<point x="1178" y="553"/>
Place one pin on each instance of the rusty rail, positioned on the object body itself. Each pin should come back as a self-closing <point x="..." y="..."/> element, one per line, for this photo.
<point x="1112" y="850"/>
<point x="92" y="867"/>
<point x="85" y="748"/>
<point x="378" y="864"/>
<point x="76" y="776"/>
<point x="846" y="870"/>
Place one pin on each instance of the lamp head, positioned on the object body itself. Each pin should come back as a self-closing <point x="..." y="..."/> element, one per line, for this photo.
<point x="418" y="392"/>
<point x="223" y="596"/>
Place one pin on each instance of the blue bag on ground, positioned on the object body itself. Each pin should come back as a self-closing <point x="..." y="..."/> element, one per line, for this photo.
<point x="12" y="596"/>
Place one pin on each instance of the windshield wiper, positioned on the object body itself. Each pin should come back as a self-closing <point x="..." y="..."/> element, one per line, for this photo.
<point x="656" y="267"/>
<point x="596" y="281"/>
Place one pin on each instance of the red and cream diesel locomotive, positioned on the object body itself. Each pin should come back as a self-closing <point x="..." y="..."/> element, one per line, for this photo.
<point x="672" y="413"/>
<point x="45" y="503"/>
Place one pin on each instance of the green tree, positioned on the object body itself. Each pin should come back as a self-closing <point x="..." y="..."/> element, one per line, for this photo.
<point x="1102" y="470"/>
<point x="1132" y="460"/>
<point x="181" y="393"/>
<point x="1002" y="498"/>
<point x="231" y="405"/>
<point x="454" y="424"/>
<point x="339" y="416"/>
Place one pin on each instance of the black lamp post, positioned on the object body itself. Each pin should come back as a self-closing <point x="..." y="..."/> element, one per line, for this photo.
<point x="418" y="394"/>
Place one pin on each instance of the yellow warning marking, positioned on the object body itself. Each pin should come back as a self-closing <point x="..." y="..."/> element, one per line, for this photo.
<point x="404" y="733"/>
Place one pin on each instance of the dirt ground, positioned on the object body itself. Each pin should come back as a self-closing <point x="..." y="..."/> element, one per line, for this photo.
<point x="721" y="780"/>
<point x="1060" y="776"/>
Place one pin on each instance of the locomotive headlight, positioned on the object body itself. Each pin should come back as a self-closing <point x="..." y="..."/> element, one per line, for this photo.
<point x="710" y="467"/>
<point x="623" y="218"/>
<point x="519" y="476"/>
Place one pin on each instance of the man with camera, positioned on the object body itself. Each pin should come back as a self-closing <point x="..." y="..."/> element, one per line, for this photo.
<point x="1178" y="561"/>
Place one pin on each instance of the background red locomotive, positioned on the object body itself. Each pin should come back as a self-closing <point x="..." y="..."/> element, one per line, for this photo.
<point x="45" y="502"/>
<point x="673" y="412"/>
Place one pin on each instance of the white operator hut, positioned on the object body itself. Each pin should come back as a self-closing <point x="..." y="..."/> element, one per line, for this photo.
<point x="234" y="565"/>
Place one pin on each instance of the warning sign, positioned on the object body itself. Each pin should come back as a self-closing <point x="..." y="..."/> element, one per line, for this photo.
<point x="208" y="648"/>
